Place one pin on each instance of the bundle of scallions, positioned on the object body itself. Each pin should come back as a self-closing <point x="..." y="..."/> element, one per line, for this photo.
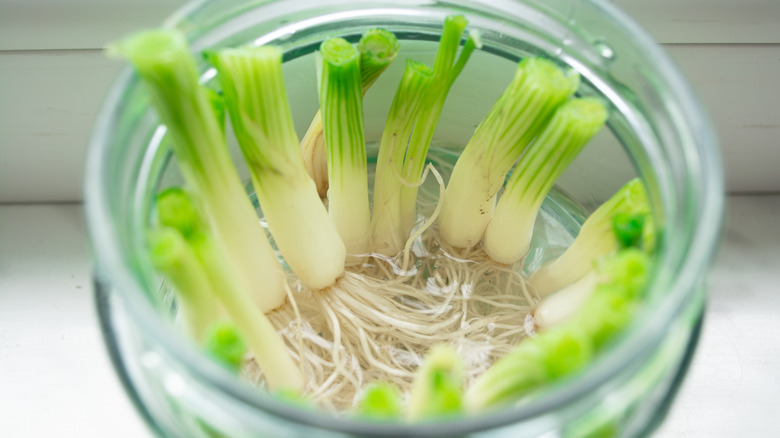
<point x="360" y="323"/>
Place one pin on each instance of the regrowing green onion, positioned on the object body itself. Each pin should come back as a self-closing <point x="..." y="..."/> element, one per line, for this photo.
<point x="509" y="379"/>
<point x="446" y="68"/>
<point x="174" y="258"/>
<point x="225" y="344"/>
<point x="378" y="49"/>
<point x="199" y="244"/>
<point x="410" y="125"/>
<point x="565" y="349"/>
<point x="259" y="111"/>
<point x="508" y="235"/>
<point x="618" y="223"/>
<point x="516" y="118"/>
<point x="437" y="390"/>
<point x="341" y="103"/>
<point x="563" y="304"/>
<point x="387" y="236"/>
<point x="380" y="402"/>
<point x="218" y="105"/>
<point x="626" y="210"/>
<point x="163" y="61"/>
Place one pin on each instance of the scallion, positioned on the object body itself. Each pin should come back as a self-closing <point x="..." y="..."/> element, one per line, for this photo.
<point x="437" y="390"/>
<point x="163" y="61"/>
<point x="411" y="123"/>
<point x="268" y="348"/>
<point x="341" y="103"/>
<point x="380" y="402"/>
<point x="508" y="235"/>
<point x="256" y="101"/>
<point x="537" y="89"/>
<point x="378" y="49"/>
<point x="615" y="221"/>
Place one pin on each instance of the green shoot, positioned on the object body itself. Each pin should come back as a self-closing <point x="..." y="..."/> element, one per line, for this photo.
<point x="386" y="232"/>
<point x="508" y="235"/>
<point x="628" y="229"/>
<point x="622" y="281"/>
<point x="256" y="100"/>
<point x="410" y="125"/>
<point x="534" y="363"/>
<point x="341" y="103"/>
<point x="268" y="348"/>
<point x="446" y="68"/>
<point x="563" y="350"/>
<point x="178" y="263"/>
<point x="566" y="351"/>
<point x="225" y="344"/>
<point x="516" y="118"/>
<point x="163" y="61"/>
<point x="380" y="402"/>
<point x="629" y="269"/>
<point x="378" y="49"/>
<point x="616" y="223"/>
<point x="177" y="209"/>
<point x="437" y="390"/>
<point x="510" y="378"/>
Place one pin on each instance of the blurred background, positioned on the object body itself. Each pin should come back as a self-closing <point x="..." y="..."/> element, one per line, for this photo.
<point x="54" y="76"/>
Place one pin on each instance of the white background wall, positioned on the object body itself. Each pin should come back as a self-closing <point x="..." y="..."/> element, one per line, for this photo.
<point x="53" y="76"/>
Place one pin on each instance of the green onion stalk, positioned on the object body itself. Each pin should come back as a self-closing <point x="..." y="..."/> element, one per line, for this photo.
<point x="516" y="118"/>
<point x="408" y="132"/>
<point x="561" y="351"/>
<point x="536" y="362"/>
<point x="630" y="227"/>
<point x="508" y="235"/>
<point x="437" y="389"/>
<point x="164" y="64"/>
<point x="617" y="297"/>
<point x="225" y="343"/>
<point x="560" y="306"/>
<point x="341" y="103"/>
<point x="378" y="49"/>
<point x="177" y="262"/>
<point x="621" y="222"/>
<point x="445" y="70"/>
<point x="597" y="238"/>
<point x="256" y="101"/>
<point x="178" y="215"/>
<point x="381" y="401"/>
<point x="386" y="235"/>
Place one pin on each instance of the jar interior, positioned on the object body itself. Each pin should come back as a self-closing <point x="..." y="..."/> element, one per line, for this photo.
<point x="141" y="162"/>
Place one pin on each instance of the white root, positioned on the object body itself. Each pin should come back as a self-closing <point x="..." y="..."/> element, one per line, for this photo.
<point x="380" y="319"/>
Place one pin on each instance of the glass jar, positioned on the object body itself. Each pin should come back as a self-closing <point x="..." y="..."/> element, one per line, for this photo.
<point x="657" y="130"/>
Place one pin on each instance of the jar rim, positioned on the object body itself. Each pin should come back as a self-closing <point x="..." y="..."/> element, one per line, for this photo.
<point x="698" y="247"/>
